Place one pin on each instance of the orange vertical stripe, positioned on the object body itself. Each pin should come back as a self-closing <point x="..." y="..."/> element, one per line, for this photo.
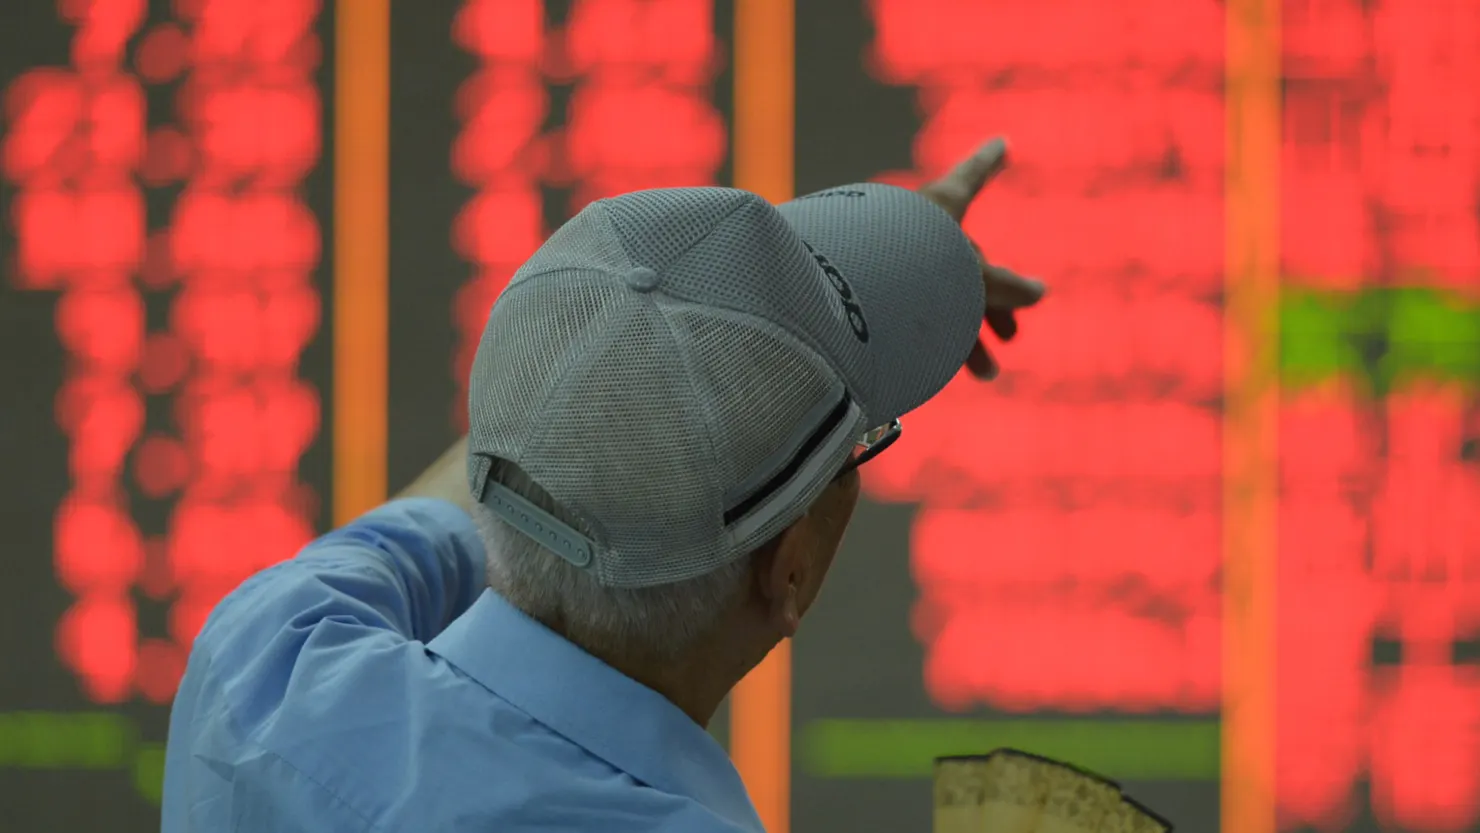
<point x="1251" y="443"/>
<point x="361" y="208"/>
<point x="760" y="737"/>
<point x="764" y="128"/>
<point x="765" y="95"/>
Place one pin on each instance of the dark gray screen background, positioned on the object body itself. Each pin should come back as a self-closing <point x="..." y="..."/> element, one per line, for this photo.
<point x="848" y="128"/>
<point x="33" y="452"/>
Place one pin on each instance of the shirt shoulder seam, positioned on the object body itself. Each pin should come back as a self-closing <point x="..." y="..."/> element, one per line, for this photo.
<point x="335" y="796"/>
<point x="251" y="738"/>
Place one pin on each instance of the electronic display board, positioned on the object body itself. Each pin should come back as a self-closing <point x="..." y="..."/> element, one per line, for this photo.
<point x="164" y="192"/>
<point x="1039" y="562"/>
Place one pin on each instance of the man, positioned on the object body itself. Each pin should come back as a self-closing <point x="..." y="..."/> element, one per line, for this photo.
<point x="668" y="410"/>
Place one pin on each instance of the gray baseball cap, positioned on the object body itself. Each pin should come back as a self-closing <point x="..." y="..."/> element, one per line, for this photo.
<point x="686" y="369"/>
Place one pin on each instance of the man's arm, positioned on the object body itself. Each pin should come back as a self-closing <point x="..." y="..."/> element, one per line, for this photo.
<point x="397" y="575"/>
<point x="410" y="565"/>
<point x="446" y="479"/>
<point x="403" y="570"/>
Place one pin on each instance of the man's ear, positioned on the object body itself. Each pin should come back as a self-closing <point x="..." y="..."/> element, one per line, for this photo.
<point x="781" y="574"/>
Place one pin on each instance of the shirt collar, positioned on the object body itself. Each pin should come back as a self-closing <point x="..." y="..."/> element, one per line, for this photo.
<point x="609" y="714"/>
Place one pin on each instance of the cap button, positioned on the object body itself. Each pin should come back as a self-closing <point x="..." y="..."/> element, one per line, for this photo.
<point x="642" y="279"/>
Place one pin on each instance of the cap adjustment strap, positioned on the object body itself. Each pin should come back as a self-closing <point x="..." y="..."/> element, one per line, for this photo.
<point x="538" y="524"/>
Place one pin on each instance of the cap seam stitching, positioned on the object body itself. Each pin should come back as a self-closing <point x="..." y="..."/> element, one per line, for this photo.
<point x="704" y="411"/>
<point x="556" y="387"/>
<point x="806" y="339"/>
<point x="582" y="360"/>
<point x="523" y="280"/>
<point x="622" y="237"/>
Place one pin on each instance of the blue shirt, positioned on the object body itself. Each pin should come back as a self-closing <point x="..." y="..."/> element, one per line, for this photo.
<point x="373" y="684"/>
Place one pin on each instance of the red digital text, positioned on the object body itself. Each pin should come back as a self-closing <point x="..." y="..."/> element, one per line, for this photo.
<point x="231" y="261"/>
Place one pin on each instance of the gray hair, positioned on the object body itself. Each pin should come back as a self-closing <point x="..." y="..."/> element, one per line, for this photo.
<point x="657" y="623"/>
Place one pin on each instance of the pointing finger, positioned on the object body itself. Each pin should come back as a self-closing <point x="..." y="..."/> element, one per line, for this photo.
<point x="1007" y="289"/>
<point x="955" y="191"/>
<point x="981" y="363"/>
<point x="1003" y="322"/>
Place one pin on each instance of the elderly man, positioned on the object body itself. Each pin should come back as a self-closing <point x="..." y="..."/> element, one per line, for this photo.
<point x="668" y="410"/>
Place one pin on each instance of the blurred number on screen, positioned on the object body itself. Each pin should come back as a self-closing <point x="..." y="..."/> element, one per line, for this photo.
<point x="1093" y="534"/>
<point x="234" y="260"/>
<point x="1379" y="538"/>
<point x="1071" y="510"/>
<point x="639" y="116"/>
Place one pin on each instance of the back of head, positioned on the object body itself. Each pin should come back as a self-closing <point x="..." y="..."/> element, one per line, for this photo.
<point x="677" y="375"/>
<point x="659" y="623"/>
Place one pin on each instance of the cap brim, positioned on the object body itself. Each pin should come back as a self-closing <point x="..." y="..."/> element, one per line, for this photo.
<point x="911" y="287"/>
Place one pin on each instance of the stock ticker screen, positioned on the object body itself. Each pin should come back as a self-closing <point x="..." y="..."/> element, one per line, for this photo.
<point x="1037" y="562"/>
<point x="164" y="365"/>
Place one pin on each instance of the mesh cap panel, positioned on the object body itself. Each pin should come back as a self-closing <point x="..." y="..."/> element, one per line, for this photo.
<point x="775" y="278"/>
<point x="625" y="443"/>
<point x="588" y="242"/>
<point x="530" y="342"/>
<point x="668" y="352"/>
<point x="916" y="279"/>
<point x="762" y="390"/>
<point x="657" y="227"/>
<point x="644" y="435"/>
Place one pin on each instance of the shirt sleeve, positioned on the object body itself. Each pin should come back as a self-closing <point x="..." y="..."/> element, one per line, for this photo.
<point x="395" y="576"/>
<point x="406" y="569"/>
